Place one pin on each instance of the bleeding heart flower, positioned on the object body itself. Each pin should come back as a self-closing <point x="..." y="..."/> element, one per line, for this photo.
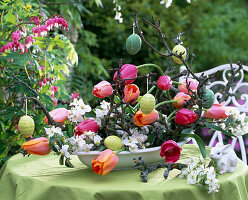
<point x="193" y="84"/>
<point x="164" y="82"/>
<point x="181" y="99"/>
<point x="127" y="71"/>
<point x="38" y="146"/>
<point x="105" y="162"/>
<point x="103" y="89"/>
<point x="217" y="111"/>
<point x="86" y="125"/>
<point x="185" y="116"/>
<point x="170" y="151"/>
<point x="140" y="119"/>
<point x="131" y="93"/>
<point x="59" y="115"/>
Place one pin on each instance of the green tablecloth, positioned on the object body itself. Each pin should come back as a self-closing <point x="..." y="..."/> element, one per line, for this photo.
<point x="42" y="178"/>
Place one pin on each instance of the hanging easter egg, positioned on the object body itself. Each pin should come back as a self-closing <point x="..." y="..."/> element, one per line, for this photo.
<point x="26" y="126"/>
<point x="113" y="142"/>
<point x="208" y="99"/>
<point x="133" y="44"/>
<point x="179" y="49"/>
<point x="147" y="103"/>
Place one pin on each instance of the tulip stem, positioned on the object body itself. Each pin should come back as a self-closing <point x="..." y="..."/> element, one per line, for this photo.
<point x="168" y="94"/>
<point x="152" y="65"/>
<point x="176" y="83"/>
<point x="171" y="118"/>
<point x="172" y="114"/>
<point x="149" y="91"/>
<point x="164" y="102"/>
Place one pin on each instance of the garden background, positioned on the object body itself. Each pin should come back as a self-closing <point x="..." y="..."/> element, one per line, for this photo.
<point x="214" y="30"/>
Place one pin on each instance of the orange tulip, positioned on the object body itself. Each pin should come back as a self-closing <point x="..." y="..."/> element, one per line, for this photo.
<point x="105" y="162"/>
<point x="181" y="99"/>
<point x="38" y="146"/>
<point x="131" y="93"/>
<point x="59" y="115"/>
<point x="140" y="119"/>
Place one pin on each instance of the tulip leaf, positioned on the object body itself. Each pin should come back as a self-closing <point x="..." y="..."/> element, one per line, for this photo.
<point x="217" y="128"/>
<point x="200" y="143"/>
<point x="188" y="130"/>
<point x="61" y="160"/>
<point x="68" y="163"/>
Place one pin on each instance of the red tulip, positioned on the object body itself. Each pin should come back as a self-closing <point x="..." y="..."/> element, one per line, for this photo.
<point x="86" y="125"/>
<point x="185" y="116"/>
<point x="140" y="119"/>
<point x="164" y="82"/>
<point x="103" y="89"/>
<point x="38" y="146"/>
<point x="193" y="84"/>
<point x="59" y="115"/>
<point x="74" y="96"/>
<point x="171" y="151"/>
<point x="131" y="93"/>
<point x="105" y="162"/>
<point x="127" y="71"/>
<point x="217" y="111"/>
<point x="181" y="99"/>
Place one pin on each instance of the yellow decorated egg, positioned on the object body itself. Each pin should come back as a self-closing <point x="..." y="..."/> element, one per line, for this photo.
<point x="113" y="142"/>
<point x="179" y="49"/>
<point x="147" y="103"/>
<point x="26" y="126"/>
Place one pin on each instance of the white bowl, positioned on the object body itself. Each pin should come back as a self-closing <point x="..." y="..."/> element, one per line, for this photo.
<point x="149" y="155"/>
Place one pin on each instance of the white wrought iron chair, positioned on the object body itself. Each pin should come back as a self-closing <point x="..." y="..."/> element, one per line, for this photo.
<point x="240" y="91"/>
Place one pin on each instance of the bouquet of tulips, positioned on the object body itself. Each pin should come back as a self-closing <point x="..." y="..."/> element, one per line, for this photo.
<point x="130" y="118"/>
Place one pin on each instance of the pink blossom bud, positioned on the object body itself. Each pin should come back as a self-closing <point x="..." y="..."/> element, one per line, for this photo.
<point x="164" y="82"/>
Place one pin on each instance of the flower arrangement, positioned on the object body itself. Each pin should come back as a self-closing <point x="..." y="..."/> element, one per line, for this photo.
<point x="132" y="118"/>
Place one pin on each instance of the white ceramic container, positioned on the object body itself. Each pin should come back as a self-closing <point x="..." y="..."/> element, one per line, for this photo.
<point x="149" y="155"/>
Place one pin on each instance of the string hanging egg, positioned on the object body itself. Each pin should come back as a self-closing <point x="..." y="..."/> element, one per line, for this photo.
<point x="147" y="103"/>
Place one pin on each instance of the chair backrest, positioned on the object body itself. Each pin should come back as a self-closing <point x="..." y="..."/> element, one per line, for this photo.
<point x="238" y="96"/>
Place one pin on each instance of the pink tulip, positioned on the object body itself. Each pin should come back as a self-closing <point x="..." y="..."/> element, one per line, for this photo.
<point x="185" y="116"/>
<point x="164" y="82"/>
<point x="87" y="125"/>
<point x="131" y="93"/>
<point x="127" y="71"/>
<point x="59" y="115"/>
<point x="181" y="99"/>
<point x="171" y="151"/>
<point x="38" y="146"/>
<point x="103" y="89"/>
<point x="193" y="84"/>
<point x="217" y="111"/>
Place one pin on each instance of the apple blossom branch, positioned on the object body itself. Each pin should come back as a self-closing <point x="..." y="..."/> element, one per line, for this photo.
<point x="145" y="170"/>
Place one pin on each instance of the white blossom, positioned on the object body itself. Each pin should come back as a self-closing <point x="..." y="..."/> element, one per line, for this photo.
<point x="64" y="151"/>
<point x="97" y="139"/>
<point x="54" y="130"/>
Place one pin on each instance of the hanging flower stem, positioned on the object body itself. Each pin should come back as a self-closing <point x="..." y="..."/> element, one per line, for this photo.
<point x="164" y="102"/>
<point x="152" y="65"/>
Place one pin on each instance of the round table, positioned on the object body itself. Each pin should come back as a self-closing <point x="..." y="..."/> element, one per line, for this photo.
<point x="42" y="178"/>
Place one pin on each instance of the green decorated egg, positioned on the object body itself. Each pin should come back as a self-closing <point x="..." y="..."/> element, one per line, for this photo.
<point x="133" y="44"/>
<point x="147" y="103"/>
<point x="208" y="99"/>
<point x="26" y="126"/>
<point x="179" y="49"/>
<point x="113" y="142"/>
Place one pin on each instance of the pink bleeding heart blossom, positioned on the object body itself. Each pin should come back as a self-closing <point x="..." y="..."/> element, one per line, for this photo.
<point x="74" y="96"/>
<point x="217" y="111"/>
<point x="170" y="151"/>
<point x="164" y="82"/>
<point x="16" y="35"/>
<point x="28" y="42"/>
<point x="35" y="19"/>
<point x="54" y="89"/>
<point x="128" y="71"/>
<point x="86" y="125"/>
<point x="193" y="84"/>
<point x="57" y="22"/>
<point x="102" y="89"/>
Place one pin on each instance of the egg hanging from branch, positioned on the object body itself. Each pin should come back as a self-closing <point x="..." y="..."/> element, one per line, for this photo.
<point x="179" y="49"/>
<point x="133" y="44"/>
<point x="147" y="103"/>
<point x="26" y="126"/>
